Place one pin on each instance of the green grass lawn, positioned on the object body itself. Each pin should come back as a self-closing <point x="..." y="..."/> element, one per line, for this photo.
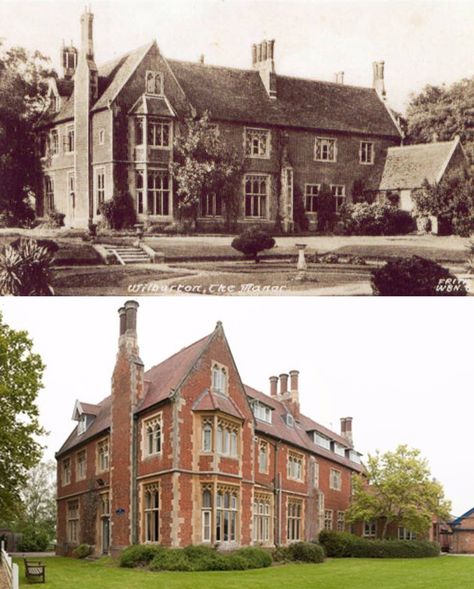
<point x="428" y="573"/>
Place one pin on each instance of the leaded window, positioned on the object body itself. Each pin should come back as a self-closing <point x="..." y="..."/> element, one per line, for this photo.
<point x="262" y="519"/>
<point x="257" y="143"/>
<point x="311" y="192"/>
<point x="293" y="526"/>
<point x="325" y="149"/>
<point x="153" y="436"/>
<point x="158" y="191"/>
<point x="256" y="190"/>
<point x="152" y="512"/>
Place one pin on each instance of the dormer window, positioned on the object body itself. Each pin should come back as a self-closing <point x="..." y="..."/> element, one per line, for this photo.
<point x="154" y="83"/>
<point x="219" y="379"/>
<point x="339" y="449"/>
<point x="262" y="412"/>
<point x="82" y="425"/>
<point x="290" y="422"/>
<point x="354" y="456"/>
<point x="321" y="440"/>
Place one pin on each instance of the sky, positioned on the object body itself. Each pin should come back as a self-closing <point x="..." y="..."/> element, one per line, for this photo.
<point x="402" y="368"/>
<point x="421" y="41"/>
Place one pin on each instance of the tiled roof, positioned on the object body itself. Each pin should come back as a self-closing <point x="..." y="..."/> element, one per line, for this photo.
<point x="90" y="409"/>
<point x="239" y="95"/>
<point x="406" y="167"/>
<point x="153" y="105"/>
<point x="458" y="520"/>
<point x="208" y="401"/>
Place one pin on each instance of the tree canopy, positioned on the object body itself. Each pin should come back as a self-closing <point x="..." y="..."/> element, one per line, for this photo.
<point x="21" y="373"/>
<point x="399" y="489"/>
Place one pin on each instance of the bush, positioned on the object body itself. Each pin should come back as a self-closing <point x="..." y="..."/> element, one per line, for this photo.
<point x="252" y="241"/>
<point x="306" y="552"/>
<point x="376" y="219"/>
<point x="25" y="269"/>
<point x="34" y="540"/>
<point x="139" y="555"/>
<point x="119" y="212"/>
<point x="299" y="212"/>
<point x="172" y="559"/>
<point x="55" y="220"/>
<point x="254" y="558"/>
<point x="415" y="276"/>
<point x="343" y="544"/>
<point x="82" y="551"/>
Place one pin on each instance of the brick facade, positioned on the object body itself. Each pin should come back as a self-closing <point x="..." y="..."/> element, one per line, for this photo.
<point x="191" y="459"/>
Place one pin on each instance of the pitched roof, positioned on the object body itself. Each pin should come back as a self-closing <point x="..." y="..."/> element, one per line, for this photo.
<point x="209" y="401"/>
<point x="239" y="95"/>
<point x="408" y="166"/>
<point x="458" y="520"/>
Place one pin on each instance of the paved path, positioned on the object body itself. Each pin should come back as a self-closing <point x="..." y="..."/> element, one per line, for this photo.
<point x="3" y="579"/>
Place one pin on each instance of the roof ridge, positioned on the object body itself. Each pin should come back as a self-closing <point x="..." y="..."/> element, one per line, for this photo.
<point x="122" y="56"/>
<point x="327" y="82"/>
<point x="210" y="65"/>
<point x="420" y="145"/>
<point x="180" y="351"/>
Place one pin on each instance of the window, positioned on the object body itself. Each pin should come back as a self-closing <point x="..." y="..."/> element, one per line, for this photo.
<point x="206" y="515"/>
<point x="159" y="133"/>
<point x="71" y="189"/>
<point x="219" y="379"/>
<point x="370" y="528"/>
<point x="262" y="519"/>
<point x="103" y="456"/>
<point x="341" y="521"/>
<point x="321" y="441"/>
<point x="82" y="425"/>
<point x="354" y="456"/>
<point x="226" y="514"/>
<point x="54" y="142"/>
<point x="154" y="83"/>
<point x="158" y="192"/>
<point x="263" y="456"/>
<point x="101" y="136"/>
<point x="69" y="139"/>
<point x="49" y="193"/>
<point x="207" y="435"/>
<point x="366" y="152"/>
<point x="211" y="205"/>
<point x="325" y="150"/>
<point x="405" y="534"/>
<point x="81" y="465"/>
<point x="339" y="449"/>
<point x="152" y="513"/>
<point x="139" y="135"/>
<point x="152" y="436"/>
<point x="139" y="175"/>
<point x="335" y="481"/>
<point x="256" y="195"/>
<point x="262" y="412"/>
<point x="315" y="466"/>
<point x="328" y="519"/>
<point x="339" y="193"/>
<point x="257" y="143"/>
<point x="226" y="442"/>
<point x="293" y="532"/>
<point x="295" y="466"/>
<point x="290" y="422"/>
<point x="104" y="505"/>
<point x="99" y="187"/>
<point x="73" y="521"/>
<point x="311" y="192"/>
<point x="321" y="510"/>
<point x="66" y="471"/>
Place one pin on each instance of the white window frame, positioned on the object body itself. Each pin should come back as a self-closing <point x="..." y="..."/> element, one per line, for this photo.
<point x="325" y="145"/>
<point x="369" y="529"/>
<point x="253" y="144"/>
<point x="152" y="436"/>
<point x="262" y="412"/>
<point x="227" y="443"/>
<point x="262" y="519"/>
<point x="54" y="143"/>
<point x="158" y="194"/>
<point x="72" y="523"/>
<point x="155" y="129"/>
<point x="81" y="466"/>
<point x="151" y="513"/>
<point x="66" y="474"/>
<point x="262" y="207"/>
<point x="366" y="155"/>
<point x="328" y="519"/>
<point x="294" y="520"/>
<point x="335" y="479"/>
<point x="207" y="435"/>
<point x="311" y="193"/>
<point x="263" y="456"/>
<point x="206" y="516"/>
<point x="341" y="521"/>
<point x="48" y="204"/>
<point x="405" y="534"/>
<point x="219" y="379"/>
<point x="338" y="191"/>
<point x="321" y="440"/>
<point x="103" y="455"/>
<point x="339" y="449"/>
<point x="155" y="75"/>
<point x="226" y="508"/>
<point x="295" y="467"/>
<point x="99" y="190"/>
<point x="70" y="146"/>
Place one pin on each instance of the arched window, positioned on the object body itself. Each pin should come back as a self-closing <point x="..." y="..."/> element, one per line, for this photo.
<point x="207" y="436"/>
<point x="153" y="437"/>
<point x="152" y="513"/>
<point x="219" y="380"/>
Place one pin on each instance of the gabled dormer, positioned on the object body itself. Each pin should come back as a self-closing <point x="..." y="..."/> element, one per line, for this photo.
<point x="53" y="97"/>
<point x="261" y="411"/>
<point x="84" y="414"/>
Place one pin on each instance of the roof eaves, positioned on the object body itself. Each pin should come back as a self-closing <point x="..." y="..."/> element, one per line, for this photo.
<point x="448" y="159"/>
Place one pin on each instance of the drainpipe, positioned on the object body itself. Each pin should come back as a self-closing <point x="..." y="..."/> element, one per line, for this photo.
<point x="133" y="486"/>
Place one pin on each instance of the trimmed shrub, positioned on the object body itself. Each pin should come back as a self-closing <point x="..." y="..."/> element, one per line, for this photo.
<point x="252" y="241"/>
<point x="82" y="551"/>
<point x="172" y="559"/>
<point x="306" y="552"/>
<point x="254" y="557"/>
<point x="119" y="212"/>
<point x="415" y="276"/>
<point x="376" y="219"/>
<point x="337" y="544"/>
<point x="139" y="555"/>
<point x="282" y="554"/>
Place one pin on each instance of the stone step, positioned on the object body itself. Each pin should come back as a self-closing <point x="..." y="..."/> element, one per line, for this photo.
<point x="128" y="254"/>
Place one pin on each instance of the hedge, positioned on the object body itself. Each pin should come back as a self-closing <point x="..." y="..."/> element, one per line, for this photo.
<point x="343" y="544"/>
<point x="299" y="552"/>
<point x="139" y="555"/>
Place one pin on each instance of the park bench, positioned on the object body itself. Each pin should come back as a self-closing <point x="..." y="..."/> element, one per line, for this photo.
<point x="34" y="570"/>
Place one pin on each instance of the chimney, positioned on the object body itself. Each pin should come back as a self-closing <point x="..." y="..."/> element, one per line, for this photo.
<point x="201" y="59"/>
<point x="263" y="62"/>
<point x="379" y="83"/>
<point x="346" y="428"/>
<point x="123" y="321"/>
<point x="87" y="34"/>
<point x="294" y="392"/>
<point x="283" y="385"/>
<point x="339" y="77"/>
<point x="68" y="60"/>
<point x="273" y="386"/>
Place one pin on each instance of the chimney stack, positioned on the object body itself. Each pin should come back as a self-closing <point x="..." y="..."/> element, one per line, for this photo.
<point x="339" y="77"/>
<point x="262" y="61"/>
<point x="87" y="34"/>
<point x="273" y="386"/>
<point x="378" y="82"/>
<point x="283" y="384"/>
<point x="68" y="60"/>
<point x="346" y="428"/>
<point x="294" y="392"/>
<point x="123" y="320"/>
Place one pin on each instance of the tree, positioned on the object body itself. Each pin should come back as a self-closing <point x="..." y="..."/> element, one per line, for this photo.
<point x="252" y="241"/>
<point x="398" y="489"/>
<point x="326" y="209"/>
<point x="21" y="373"/>
<point x="25" y="269"/>
<point x="205" y="169"/>
<point x="23" y="87"/>
<point x="451" y="201"/>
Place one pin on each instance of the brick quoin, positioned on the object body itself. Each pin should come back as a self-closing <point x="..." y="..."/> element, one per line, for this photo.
<point x="183" y="395"/>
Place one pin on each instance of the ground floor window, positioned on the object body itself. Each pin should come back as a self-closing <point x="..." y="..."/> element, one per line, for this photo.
<point x="99" y="188"/>
<point x="370" y="528"/>
<point x="405" y="534"/>
<point x="206" y="514"/>
<point x="256" y="190"/>
<point x="311" y="192"/>
<point x="49" y="194"/>
<point x="226" y="515"/>
<point x="211" y="205"/>
<point x="139" y="187"/>
<point x="339" y="193"/>
<point x="294" y="520"/>
<point x="152" y="512"/>
<point x="158" y="191"/>
<point x="341" y="521"/>
<point x="328" y="519"/>
<point x="72" y="524"/>
<point x="262" y="519"/>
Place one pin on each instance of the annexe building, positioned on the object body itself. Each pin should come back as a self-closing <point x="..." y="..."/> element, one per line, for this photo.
<point x="109" y="129"/>
<point x="185" y="453"/>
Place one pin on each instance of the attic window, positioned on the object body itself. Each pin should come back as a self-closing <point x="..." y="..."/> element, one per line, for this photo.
<point x="339" y="449"/>
<point x="354" y="456"/>
<point x="154" y="83"/>
<point x="262" y="412"/>
<point x="289" y="420"/>
<point x="321" y="441"/>
<point x="219" y="379"/>
<point x="82" y="425"/>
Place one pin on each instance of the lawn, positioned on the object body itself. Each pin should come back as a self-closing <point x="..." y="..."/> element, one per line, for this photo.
<point x="428" y="573"/>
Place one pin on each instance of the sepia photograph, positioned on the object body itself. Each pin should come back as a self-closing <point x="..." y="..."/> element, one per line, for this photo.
<point x="238" y="147"/>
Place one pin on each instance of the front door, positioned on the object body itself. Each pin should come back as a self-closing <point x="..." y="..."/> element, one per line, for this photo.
<point x="105" y="534"/>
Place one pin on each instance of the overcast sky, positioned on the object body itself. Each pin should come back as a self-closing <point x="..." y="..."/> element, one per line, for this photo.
<point x="421" y="41"/>
<point x="401" y="368"/>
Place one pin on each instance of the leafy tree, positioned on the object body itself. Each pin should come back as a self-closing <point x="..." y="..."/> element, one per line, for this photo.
<point x="23" y="86"/>
<point x="204" y="167"/>
<point x="398" y="490"/>
<point x="21" y="373"/>
<point x="451" y="201"/>
<point x="443" y="112"/>
<point x="252" y="241"/>
<point x="119" y="212"/>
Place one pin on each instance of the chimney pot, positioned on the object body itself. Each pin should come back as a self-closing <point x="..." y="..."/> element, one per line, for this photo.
<point x="283" y="384"/>
<point x="294" y="380"/>
<point x="131" y="308"/>
<point x="379" y="73"/>
<point x="270" y="48"/>
<point x="254" y="54"/>
<point x="264" y="51"/>
<point x="346" y="428"/>
<point x="123" y="320"/>
<point x="259" y="53"/>
<point x="201" y="58"/>
<point x="273" y="386"/>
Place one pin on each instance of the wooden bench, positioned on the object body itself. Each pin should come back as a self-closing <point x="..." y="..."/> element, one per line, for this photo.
<point x="34" y="570"/>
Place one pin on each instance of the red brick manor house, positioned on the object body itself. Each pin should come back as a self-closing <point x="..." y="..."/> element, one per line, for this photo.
<point x="110" y="128"/>
<point x="185" y="453"/>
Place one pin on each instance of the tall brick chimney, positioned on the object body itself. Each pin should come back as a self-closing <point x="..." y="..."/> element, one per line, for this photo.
<point x="339" y="77"/>
<point x="127" y="390"/>
<point x="346" y="428"/>
<point x="263" y="62"/>
<point x="273" y="386"/>
<point x="294" y="392"/>
<point x="68" y="60"/>
<point x="284" y="386"/>
<point x="378" y="80"/>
